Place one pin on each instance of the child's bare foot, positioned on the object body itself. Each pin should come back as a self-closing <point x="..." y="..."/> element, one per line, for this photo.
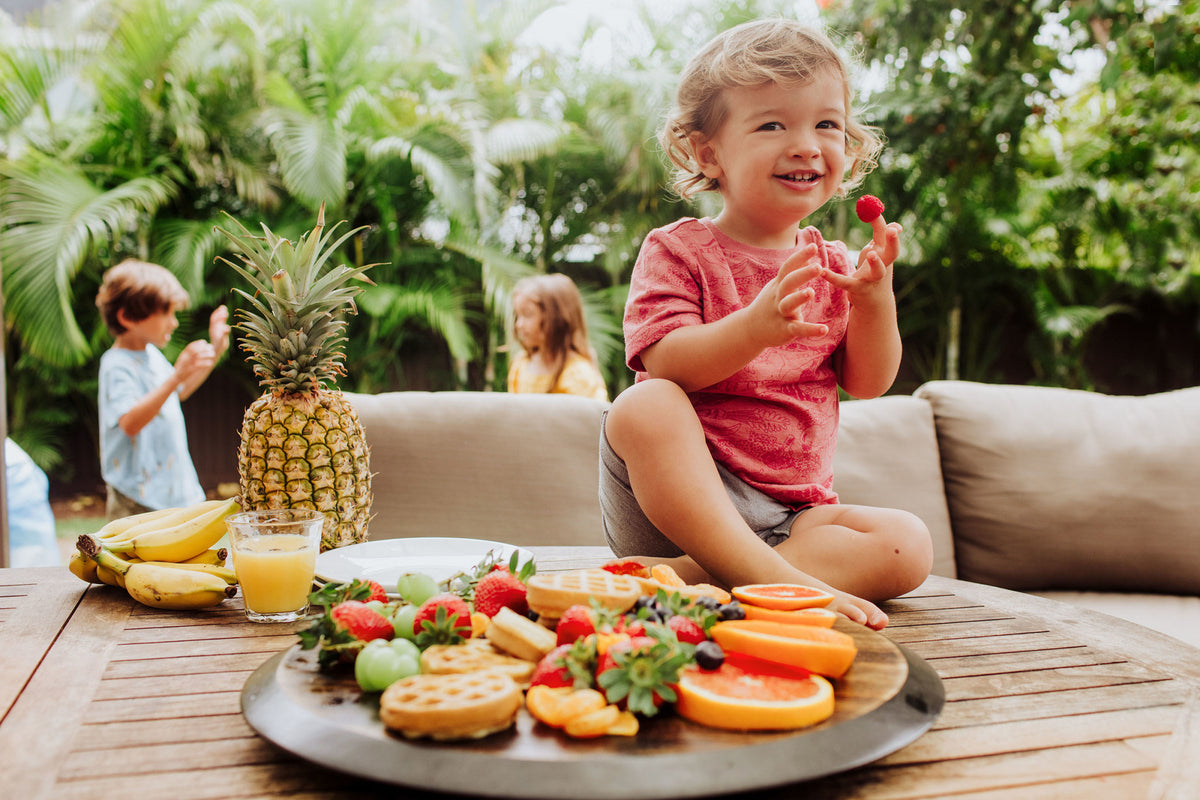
<point x="854" y="608"/>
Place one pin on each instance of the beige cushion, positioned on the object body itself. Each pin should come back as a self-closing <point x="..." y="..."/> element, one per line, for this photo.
<point x="1062" y="489"/>
<point x="515" y="468"/>
<point x="887" y="456"/>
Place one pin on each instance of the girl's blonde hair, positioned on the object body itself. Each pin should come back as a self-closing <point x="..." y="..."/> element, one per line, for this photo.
<point x="563" y="325"/>
<point x="140" y="289"/>
<point x="753" y="54"/>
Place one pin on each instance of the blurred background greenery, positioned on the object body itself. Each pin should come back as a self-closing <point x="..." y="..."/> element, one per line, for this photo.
<point x="1041" y="158"/>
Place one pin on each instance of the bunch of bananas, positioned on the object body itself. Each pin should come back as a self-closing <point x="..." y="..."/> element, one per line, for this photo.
<point x="164" y="559"/>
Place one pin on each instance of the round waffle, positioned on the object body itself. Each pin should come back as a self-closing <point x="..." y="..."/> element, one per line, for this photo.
<point x="550" y="594"/>
<point x="474" y="656"/>
<point x="456" y="706"/>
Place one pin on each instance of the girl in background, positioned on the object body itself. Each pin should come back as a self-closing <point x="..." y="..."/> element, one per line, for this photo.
<point x="549" y="325"/>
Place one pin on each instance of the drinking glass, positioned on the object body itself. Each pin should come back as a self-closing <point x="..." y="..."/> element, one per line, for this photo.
<point x="275" y="558"/>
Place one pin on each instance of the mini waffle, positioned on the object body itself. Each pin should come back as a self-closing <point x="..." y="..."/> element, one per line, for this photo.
<point x="443" y="707"/>
<point x="475" y="655"/>
<point x="550" y="594"/>
<point x="520" y="636"/>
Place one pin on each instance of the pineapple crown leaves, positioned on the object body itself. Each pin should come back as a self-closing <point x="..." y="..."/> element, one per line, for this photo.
<point x="294" y="334"/>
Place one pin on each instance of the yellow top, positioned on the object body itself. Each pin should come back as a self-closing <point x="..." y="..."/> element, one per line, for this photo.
<point x="579" y="376"/>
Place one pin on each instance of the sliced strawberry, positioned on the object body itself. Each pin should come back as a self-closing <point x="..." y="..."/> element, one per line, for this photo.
<point x="361" y="621"/>
<point x="377" y="592"/>
<point x="627" y="566"/>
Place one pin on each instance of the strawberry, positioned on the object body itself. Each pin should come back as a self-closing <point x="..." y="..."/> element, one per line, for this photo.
<point x="500" y="589"/>
<point x="566" y="665"/>
<point x="575" y="623"/>
<point x="377" y="592"/>
<point x="640" y="672"/>
<point x="442" y="619"/>
<point x="687" y="630"/>
<point x="868" y="207"/>
<point x="627" y="566"/>
<point x="361" y="621"/>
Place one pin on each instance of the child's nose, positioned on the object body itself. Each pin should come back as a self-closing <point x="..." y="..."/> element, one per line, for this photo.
<point x="805" y="144"/>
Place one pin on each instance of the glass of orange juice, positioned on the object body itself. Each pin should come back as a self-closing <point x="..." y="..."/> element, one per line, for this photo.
<point x="275" y="557"/>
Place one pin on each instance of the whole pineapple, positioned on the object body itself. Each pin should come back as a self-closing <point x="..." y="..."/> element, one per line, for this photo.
<point x="302" y="445"/>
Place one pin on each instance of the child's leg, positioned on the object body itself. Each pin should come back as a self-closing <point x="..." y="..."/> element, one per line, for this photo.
<point x="653" y="428"/>
<point x="874" y="553"/>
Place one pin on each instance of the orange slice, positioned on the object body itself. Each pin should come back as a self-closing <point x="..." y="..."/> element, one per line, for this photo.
<point x="782" y="596"/>
<point x="748" y="694"/>
<point x="820" y="650"/>
<point x="817" y="617"/>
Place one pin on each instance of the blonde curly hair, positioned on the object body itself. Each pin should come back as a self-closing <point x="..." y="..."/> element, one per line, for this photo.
<point x="753" y="54"/>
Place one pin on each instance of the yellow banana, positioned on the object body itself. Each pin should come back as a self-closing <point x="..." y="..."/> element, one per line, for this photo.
<point x="116" y="528"/>
<point x="83" y="567"/>
<point x="224" y="573"/>
<point x="181" y="541"/>
<point x="110" y="568"/>
<point x="165" y="518"/>
<point x="216" y="556"/>
<point x="175" y="589"/>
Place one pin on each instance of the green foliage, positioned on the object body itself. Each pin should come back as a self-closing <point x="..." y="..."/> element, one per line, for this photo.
<point x="1045" y="204"/>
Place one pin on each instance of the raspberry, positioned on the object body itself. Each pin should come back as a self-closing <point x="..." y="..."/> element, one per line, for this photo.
<point x="868" y="207"/>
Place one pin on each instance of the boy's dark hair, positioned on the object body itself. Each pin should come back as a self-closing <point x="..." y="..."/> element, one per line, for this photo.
<point x="140" y="289"/>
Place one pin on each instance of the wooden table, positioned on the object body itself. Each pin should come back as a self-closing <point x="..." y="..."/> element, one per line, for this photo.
<point x="102" y="697"/>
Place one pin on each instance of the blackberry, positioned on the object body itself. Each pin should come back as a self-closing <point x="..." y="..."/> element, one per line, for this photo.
<point x="731" y="610"/>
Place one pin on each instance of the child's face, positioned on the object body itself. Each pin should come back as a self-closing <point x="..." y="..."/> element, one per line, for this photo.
<point x="779" y="156"/>
<point x="155" y="329"/>
<point x="528" y="323"/>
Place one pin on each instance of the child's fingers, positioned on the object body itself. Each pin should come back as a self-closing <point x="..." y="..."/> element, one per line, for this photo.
<point x="792" y="301"/>
<point x="803" y="260"/>
<point x="879" y="231"/>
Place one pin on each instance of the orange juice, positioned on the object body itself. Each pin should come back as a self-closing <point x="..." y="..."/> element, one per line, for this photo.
<point x="275" y="572"/>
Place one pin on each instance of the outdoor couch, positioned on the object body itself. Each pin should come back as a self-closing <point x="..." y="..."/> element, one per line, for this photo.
<point x="1083" y="497"/>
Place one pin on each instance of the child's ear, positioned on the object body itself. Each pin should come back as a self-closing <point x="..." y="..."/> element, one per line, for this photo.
<point x="705" y="155"/>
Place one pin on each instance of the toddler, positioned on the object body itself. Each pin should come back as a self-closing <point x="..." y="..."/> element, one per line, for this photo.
<point x="742" y="327"/>
<point x="548" y="323"/>
<point x="144" y="456"/>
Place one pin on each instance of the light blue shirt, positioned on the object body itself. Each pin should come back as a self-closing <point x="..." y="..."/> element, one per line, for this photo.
<point x="31" y="538"/>
<point x="155" y="467"/>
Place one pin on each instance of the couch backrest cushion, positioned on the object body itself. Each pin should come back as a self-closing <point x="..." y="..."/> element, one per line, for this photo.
<point x="887" y="456"/>
<point x="1062" y="489"/>
<point x="517" y="468"/>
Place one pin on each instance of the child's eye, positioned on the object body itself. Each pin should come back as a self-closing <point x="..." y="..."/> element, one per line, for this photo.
<point x="830" y="123"/>
<point x="771" y="126"/>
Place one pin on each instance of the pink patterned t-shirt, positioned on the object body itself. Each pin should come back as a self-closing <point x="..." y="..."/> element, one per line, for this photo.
<point x="774" y="422"/>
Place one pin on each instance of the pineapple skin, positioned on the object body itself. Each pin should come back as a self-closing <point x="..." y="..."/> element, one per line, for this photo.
<point x="307" y="450"/>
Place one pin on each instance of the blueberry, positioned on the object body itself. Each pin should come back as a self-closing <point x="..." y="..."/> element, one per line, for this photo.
<point x="731" y="610"/>
<point x="709" y="655"/>
<point x="708" y="602"/>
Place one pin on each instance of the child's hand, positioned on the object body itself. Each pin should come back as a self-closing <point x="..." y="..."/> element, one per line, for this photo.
<point x="218" y="329"/>
<point x="198" y="357"/>
<point x="872" y="279"/>
<point x="777" y="312"/>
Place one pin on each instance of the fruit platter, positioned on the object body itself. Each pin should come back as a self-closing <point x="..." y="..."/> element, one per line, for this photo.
<point x="603" y="683"/>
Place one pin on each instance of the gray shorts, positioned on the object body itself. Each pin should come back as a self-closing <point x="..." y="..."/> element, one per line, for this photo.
<point x="629" y="533"/>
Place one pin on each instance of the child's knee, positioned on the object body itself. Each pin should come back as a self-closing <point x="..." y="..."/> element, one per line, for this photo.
<point x="912" y="551"/>
<point x="639" y="411"/>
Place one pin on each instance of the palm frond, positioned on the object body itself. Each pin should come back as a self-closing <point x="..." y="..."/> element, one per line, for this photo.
<point x="51" y="218"/>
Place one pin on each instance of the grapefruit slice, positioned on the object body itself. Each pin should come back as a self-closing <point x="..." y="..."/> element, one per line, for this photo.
<point x="817" y="617"/>
<point x="749" y="694"/>
<point x="820" y="650"/>
<point x="782" y="596"/>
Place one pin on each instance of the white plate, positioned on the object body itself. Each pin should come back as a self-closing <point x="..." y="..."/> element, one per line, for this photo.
<point x="387" y="559"/>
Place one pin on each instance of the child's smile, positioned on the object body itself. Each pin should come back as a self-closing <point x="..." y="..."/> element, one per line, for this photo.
<point x="779" y="155"/>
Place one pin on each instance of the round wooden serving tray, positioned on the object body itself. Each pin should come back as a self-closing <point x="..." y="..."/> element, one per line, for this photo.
<point x="887" y="699"/>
